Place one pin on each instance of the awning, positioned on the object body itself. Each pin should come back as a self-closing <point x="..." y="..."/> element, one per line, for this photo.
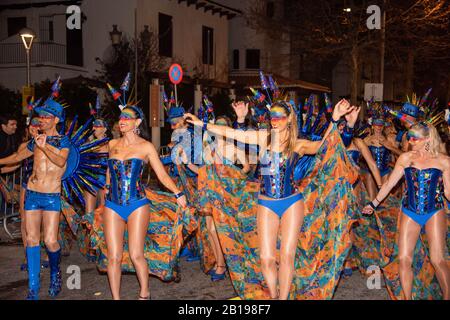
<point x="252" y="80"/>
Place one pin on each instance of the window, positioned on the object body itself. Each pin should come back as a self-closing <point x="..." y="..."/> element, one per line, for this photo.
<point x="51" y="36"/>
<point x="165" y="32"/>
<point x="46" y="29"/>
<point x="15" y="25"/>
<point x="270" y="9"/>
<point x="236" y="59"/>
<point x="208" y="45"/>
<point x="252" y="59"/>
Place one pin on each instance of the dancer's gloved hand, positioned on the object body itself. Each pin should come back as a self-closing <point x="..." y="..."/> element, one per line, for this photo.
<point x="352" y="116"/>
<point x="190" y="118"/>
<point x="342" y="108"/>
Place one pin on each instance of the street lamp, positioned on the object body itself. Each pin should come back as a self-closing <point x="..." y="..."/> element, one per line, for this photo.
<point x="116" y="36"/>
<point x="347" y="9"/>
<point x="27" y="36"/>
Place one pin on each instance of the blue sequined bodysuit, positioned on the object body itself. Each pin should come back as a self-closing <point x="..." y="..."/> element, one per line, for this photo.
<point x="355" y="155"/>
<point x="277" y="181"/>
<point x="382" y="156"/>
<point x="423" y="195"/>
<point x="126" y="191"/>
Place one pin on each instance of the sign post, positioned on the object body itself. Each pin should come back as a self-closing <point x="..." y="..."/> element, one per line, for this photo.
<point x="175" y="76"/>
<point x="27" y="94"/>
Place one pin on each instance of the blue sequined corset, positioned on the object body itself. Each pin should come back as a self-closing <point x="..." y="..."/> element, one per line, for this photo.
<point x="424" y="192"/>
<point x="355" y="155"/>
<point x="382" y="156"/>
<point x="125" y="181"/>
<point x="277" y="175"/>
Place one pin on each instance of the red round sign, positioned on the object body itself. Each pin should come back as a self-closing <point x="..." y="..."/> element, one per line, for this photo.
<point x="175" y="73"/>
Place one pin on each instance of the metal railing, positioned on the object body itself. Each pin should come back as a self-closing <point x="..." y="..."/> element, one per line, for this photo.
<point x="9" y="200"/>
<point x="11" y="53"/>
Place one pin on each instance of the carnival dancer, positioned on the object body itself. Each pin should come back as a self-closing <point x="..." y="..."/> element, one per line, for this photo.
<point x="126" y="201"/>
<point x="184" y="145"/>
<point x="279" y="198"/>
<point x="382" y="150"/>
<point x="427" y="182"/>
<point x="42" y="198"/>
<point x="227" y="154"/>
<point x="100" y="127"/>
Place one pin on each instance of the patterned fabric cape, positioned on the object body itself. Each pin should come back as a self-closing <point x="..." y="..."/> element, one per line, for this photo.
<point x="324" y="242"/>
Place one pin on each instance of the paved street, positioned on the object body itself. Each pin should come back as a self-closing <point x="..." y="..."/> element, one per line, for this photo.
<point x="94" y="286"/>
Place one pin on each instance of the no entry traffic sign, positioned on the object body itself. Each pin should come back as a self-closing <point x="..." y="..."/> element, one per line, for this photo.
<point x="175" y="74"/>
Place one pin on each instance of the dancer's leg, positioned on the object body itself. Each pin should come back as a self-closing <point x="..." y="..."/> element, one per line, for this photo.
<point x="436" y="230"/>
<point x="51" y="224"/>
<point x="137" y="231"/>
<point x="33" y="232"/>
<point x="33" y="227"/>
<point x="370" y="184"/>
<point x="409" y="232"/>
<point x="215" y="243"/>
<point x="291" y="223"/>
<point x="23" y="228"/>
<point x="267" y="228"/>
<point x="90" y="201"/>
<point x="114" y="228"/>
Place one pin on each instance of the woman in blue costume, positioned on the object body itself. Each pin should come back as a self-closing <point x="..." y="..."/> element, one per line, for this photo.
<point x="358" y="152"/>
<point x="382" y="150"/>
<point x="225" y="153"/>
<point x="126" y="202"/>
<point x="427" y="182"/>
<point x="100" y="127"/>
<point x="280" y="204"/>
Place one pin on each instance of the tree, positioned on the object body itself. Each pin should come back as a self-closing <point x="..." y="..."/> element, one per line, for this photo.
<point x="121" y="60"/>
<point x="322" y="31"/>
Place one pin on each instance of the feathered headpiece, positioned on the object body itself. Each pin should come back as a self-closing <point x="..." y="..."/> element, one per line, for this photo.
<point x="417" y="109"/>
<point x="314" y="122"/>
<point x="97" y="114"/>
<point x="172" y="110"/>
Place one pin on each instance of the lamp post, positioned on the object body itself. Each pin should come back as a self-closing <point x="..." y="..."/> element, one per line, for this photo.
<point x="27" y="36"/>
<point x="116" y="36"/>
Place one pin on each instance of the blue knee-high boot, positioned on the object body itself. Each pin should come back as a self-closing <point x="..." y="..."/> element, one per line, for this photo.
<point x="54" y="259"/>
<point x="34" y="272"/>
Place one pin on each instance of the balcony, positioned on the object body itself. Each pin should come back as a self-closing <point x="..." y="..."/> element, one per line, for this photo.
<point x="54" y="53"/>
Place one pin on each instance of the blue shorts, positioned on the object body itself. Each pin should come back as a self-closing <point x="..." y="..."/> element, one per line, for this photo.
<point x="42" y="201"/>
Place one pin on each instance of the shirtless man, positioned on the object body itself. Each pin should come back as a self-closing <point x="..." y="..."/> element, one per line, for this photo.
<point x="43" y="199"/>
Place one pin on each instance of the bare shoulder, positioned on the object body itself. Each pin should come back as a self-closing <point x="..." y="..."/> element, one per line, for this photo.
<point x="405" y="158"/>
<point x="445" y="161"/>
<point x="112" y="143"/>
<point x="301" y="145"/>
<point x="147" y="145"/>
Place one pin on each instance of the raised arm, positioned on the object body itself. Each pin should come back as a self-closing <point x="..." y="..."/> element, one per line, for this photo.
<point x="390" y="146"/>
<point x="249" y="137"/>
<point x="342" y="108"/>
<point x="367" y="155"/>
<point x="394" y="178"/>
<point x="16" y="157"/>
<point x="55" y="155"/>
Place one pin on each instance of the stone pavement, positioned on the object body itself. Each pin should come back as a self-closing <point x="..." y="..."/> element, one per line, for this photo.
<point x="194" y="283"/>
